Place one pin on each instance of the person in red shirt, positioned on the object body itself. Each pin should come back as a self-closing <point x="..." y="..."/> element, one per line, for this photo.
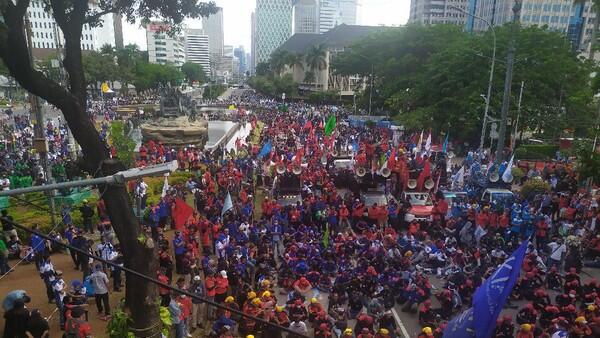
<point x="185" y="304"/>
<point x="76" y="325"/>
<point x="373" y="212"/>
<point x="358" y="210"/>
<point x="210" y="283"/>
<point x="440" y="210"/>
<point x="344" y="213"/>
<point x="483" y="218"/>
<point x="165" y="294"/>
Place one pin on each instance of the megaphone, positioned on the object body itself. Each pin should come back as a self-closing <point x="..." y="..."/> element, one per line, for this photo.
<point x="360" y="172"/>
<point x="494" y="177"/>
<point x="324" y="159"/>
<point x="385" y="172"/>
<point x="429" y="184"/>
<point x="280" y="169"/>
<point x="509" y="179"/>
<point x="451" y="154"/>
<point x="297" y="170"/>
<point x="412" y="183"/>
<point x="335" y="153"/>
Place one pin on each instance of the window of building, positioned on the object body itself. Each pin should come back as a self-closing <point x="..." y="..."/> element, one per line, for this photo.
<point x="526" y="18"/>
<point x="566" y="8"/>
<point x="554" y="19"/>
<point x="564" y="19"/>
<point x="556" y="7"/>
<point x="547" y="7"/>
<point x="537" y="6"/>
<point x="535" y="18"/>
<point x="545" y="18"/>
<point x="44" y="25"/>
<point x="51" y="44"/>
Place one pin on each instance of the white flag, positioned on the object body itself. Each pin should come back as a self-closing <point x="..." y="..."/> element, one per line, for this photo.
<point x="459" y="178"/>
<point x="428" y="143"/>
<point x="165" y="186"/>
<point x="419" y="143"/>
<point x="508" y="171"/>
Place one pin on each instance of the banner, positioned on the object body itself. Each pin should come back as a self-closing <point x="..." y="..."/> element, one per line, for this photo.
<point x="227" y="205"/>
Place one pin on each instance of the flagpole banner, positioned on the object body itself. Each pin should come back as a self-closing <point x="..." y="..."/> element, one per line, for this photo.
<point x="460" y="326"/>
<point x="330" y="125"/>
<point x="508" y="171"/>
<point x="227" y="205"/>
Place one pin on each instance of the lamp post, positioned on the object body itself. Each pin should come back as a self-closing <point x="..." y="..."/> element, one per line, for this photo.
<point x="490" y="81"/>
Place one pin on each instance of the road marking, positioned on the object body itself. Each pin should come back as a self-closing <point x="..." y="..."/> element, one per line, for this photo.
<point x="400" y="324"/>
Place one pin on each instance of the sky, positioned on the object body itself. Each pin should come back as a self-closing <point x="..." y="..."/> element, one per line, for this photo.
<point x="236" y="17"/>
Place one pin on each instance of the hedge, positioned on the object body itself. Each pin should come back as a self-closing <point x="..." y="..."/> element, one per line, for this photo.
<point x="536" y="152"/>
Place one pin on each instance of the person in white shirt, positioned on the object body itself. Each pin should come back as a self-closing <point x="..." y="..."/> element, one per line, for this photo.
<point x="299" y="327"/>
<point x="48" y="275"/>
<point x="101" y="291"/>
<point x="557" y="251"/>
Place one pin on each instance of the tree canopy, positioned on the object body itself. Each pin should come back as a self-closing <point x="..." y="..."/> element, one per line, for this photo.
<point x="434" y="76"/>
<point x="194" y="72"/>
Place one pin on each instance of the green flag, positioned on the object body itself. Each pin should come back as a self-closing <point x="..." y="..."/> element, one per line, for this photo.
<point x="330" y="125"/>
<point x="326" y="237"/>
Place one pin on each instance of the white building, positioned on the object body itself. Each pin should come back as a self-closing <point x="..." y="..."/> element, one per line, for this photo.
<point x="272" y="27"/>
<point x="306" y="17"/>
<point x="437" y="12"/>
<point x="196" y="48"/>
<point x="213" y="27"/>
<point x="47" y="35"/>
<point x="333" y="13"/>
<point x="162" y="48"/>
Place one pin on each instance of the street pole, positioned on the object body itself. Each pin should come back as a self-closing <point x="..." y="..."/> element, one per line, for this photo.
<point x="514" y="138"/>
<point x="491" y="79"/>
<point x="40" y="142"/>
<point x="510" y="61"/>
<point x="371" y="90"/>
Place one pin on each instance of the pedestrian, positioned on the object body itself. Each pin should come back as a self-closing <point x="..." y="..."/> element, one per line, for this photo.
<point x="87" y="213"/>
<point x="4" y="268"/>
<point x="176" y="313"/>
<point x="16" y="320"/>
<point x="7" y="227"/>
<point x="48" y="276"/>
<point x="38" y="245"/>
<point x="198" y="306"/>
<point x="76" y="326"/>
<point x="101" y="290"/>
<point x="37" y="326"/>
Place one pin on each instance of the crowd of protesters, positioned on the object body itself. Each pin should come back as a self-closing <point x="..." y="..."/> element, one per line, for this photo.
<point x="331" y="266"/>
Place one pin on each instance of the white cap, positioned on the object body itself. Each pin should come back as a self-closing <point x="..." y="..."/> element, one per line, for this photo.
<point x="223" y="273"/>
<point x="197" y="278"/>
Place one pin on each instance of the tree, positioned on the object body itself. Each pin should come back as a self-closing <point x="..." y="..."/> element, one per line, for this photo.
<point x="315" y="60"/>
<point x="278" y="61"/>
<point x="295" y="60"/>
<point x="70" y="15"/>
<point x="98" y="68"/>
<point x="3" y="69"/>
<point x="152" y="75"/>
<point x="193" y="72"/>
<point x="263" y="68"/>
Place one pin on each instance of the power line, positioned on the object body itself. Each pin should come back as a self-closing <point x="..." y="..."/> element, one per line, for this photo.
<point x="156" y="281"/>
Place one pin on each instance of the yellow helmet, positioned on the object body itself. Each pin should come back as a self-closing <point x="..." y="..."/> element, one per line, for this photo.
<point x="251" y="295"/>
<point x="313" y="300"/>
<point x="265" y="282"/>
<point x="427" y="330"/>
<point x="384" y="331"/>
<point x="408" y="253"/>
<point x="526" y="327"/>
<point x="266" y="294"/>
<point x="591" y="307"/>
<point x="256" y="301"/>
<point x="279" y="308"/>
<point x="229" y="299"/>
<point x="580" y="320"/>
<point x="348" y="331"/>
<point x="250" y="336"/>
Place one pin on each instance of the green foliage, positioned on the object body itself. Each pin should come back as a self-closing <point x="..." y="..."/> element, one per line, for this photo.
<point x="165" y="318"/>
<point x="151" y="75"/>
<point x="213" y="91"/>
<point x="263" y="69"/>
<point x="118" y="326"/>
<point x="433" y="77"/>
<point x="193" y="72"/>
<point x="517" y="173"/>
<point x="274" y="86"/>
<point x="588" y="162"/>
<point x="99" y="67"/>
<point x="536" y="151"/>
<point x="155" y="184"/>
<point x="533" y="187"/>
<point x="326" y="97"/>
<point x="122" y="143"/>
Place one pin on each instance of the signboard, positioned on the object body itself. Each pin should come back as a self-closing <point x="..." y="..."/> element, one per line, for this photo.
<point x="157" y="27"/>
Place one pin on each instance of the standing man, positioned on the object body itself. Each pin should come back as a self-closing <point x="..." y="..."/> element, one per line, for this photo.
<point x="87" y="213"/>
<point x="7" y="226"/>
<point x="101" y="290"/>
<point x="198" y="307"/>
<point x="180" y="250"/>
<point x="277" y="239"/>
<point x="141" y="193"/>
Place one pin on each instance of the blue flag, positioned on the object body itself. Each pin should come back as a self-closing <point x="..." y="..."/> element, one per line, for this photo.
<point x="480" y="320"/>
<point x="265" y="150"/>
<point x="227" y="205"/>
<point x="445" y="145"/>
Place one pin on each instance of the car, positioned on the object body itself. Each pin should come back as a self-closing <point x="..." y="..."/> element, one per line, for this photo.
<point x="421" y="206"/>
<point x="498" y="197"/>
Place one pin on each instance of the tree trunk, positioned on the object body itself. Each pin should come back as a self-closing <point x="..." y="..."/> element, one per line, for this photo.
<point x="141" y="296"/>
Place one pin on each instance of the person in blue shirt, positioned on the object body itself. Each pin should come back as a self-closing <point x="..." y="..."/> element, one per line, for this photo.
<point x="153" y="220"/>
<point x="276" y="231"/>
<point x="180" y="250"/>
<point x="38" y="246"/>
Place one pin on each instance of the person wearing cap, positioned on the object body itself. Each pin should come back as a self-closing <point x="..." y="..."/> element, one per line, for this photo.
<point x="221" y="286"/>
<point x="254" y="309"/>
<point x="87" y="213"/>
<point x="16" y="320"/>
<point x="580" y="328"/>
<point x="525" y="331"/>
<point x="101" y="291"/>
<point x="198" y="306"/>
<point x="313" y="309"/>
<point x="76" y="326"/>
<point x="426" y="332"/>
<point x="348" y="333"/>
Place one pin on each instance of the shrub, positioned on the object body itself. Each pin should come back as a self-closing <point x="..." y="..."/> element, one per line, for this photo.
<point x="536" y="152"/>
<point x="533" y="187"/>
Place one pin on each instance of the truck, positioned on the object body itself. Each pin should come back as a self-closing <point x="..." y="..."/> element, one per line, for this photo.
<point x="421" y="206"/>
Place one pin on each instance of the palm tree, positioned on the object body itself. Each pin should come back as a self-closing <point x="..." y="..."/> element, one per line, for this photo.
<point x="278" y="61"/>
<point x="316" y="59"/>
<point x="295" y="60"/>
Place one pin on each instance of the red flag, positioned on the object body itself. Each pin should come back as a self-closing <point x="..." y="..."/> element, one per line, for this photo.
<point x="308" y="125"/>
<point x="391" y="163"/>
<point x="425" y="174"/>
<point x="181" y="212"/>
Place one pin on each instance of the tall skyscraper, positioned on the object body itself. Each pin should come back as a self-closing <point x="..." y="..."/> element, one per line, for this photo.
<point x="240" y="53"/>
<point x="213" y="27"/>
<point x="162" y="48"/>
<point x="575" y="20"/>
<point x="273" y="26"/>
<point x="437" y="12"/>
<point x="196" y="48"/>
<point x="336" y="12"/>
<point x="252" y="42"/>
<point x="45" y="33"/>
<point x="306" y="16"/>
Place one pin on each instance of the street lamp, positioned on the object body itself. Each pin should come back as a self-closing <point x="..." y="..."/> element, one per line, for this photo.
<point x="489" y="90"/>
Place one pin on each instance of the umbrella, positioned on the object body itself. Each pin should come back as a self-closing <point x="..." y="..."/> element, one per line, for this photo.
<point x="10" y="298"/>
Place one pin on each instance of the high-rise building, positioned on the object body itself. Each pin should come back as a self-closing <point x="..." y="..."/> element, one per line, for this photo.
<point x="437" y="12"/>
<point x="196" y="48"/>
<point x="240" y="54"/>
<point x="163" y="48"/>
<point x="273" y="26"/>
<point x="213" y="27"/>
<point x="574" y="19"/>
<point x="336" y="12"/>
<point x="253" y="62"/>
<point x="46" y="35"/>
<point x="306" y="17"/>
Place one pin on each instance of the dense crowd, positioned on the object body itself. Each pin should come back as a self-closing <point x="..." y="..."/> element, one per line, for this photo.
<point x="330" y="264"/>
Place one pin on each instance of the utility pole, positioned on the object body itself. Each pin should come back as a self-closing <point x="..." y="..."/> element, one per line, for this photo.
<point x="514" y="138"/>
<point x="510" y="61"/>
<point x="39" y="141"/>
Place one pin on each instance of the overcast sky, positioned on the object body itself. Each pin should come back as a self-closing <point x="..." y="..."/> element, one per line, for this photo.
<point x="236" y="16"/>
